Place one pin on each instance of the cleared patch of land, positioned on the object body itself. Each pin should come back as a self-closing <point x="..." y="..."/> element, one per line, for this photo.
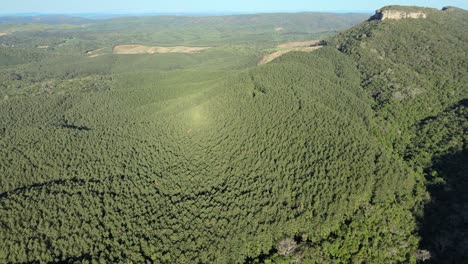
<point x="299" y="44"/>
<point x="279" y="29"/>
<point x="95" y="53"/>
<point x="3" y="33"/>
<point x="140" y="49"/>
<point x="42" y="47"/>
<point x="270" y="57"/>
<point x="309" y="45"/>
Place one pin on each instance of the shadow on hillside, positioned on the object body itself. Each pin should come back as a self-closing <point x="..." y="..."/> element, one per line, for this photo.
<point x="444" y="229"/>
<point x="461" y="103"/>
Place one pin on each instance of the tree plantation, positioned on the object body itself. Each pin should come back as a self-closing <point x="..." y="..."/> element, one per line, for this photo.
<point x="352" y="153"/>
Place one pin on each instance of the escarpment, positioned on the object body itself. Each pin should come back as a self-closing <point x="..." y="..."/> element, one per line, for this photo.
<point x="407" y="12"/>
<point x="396" y="14"/>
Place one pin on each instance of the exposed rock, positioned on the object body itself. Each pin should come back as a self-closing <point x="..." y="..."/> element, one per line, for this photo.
<point x="397" y="15"/>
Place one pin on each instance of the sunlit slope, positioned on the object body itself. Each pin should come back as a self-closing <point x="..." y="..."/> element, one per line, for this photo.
<point x="56" y="73"/>
<point x="203" y="167"/>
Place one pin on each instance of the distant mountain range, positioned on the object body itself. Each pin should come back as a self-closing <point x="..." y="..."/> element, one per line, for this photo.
<point x="80" y="18"/>
<point x="44" y="19"/>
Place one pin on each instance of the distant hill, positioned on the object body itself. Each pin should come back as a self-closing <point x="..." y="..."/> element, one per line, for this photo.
<point x="44" y="19"/>
<point x="314" y="21"/>
<point x="289" y="22"/>
<point x="256" y="30"/>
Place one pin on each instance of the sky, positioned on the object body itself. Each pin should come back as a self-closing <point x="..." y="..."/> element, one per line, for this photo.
<point x="207" y="6"/>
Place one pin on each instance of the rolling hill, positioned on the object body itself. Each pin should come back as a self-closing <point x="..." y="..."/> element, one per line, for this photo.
<point x="351" y="153"/>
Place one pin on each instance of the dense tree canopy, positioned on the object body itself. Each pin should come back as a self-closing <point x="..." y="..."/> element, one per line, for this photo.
<point x="321" y="157"/>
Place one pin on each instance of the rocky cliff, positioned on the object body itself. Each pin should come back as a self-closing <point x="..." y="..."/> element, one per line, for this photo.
<point x="397" y="14"/>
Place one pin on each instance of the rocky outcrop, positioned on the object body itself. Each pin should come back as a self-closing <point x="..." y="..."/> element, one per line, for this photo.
<point x="396" y="14"/>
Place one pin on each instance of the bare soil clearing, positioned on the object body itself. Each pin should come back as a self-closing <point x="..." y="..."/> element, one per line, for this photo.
<point x="306" y="46"/>
<point x="299" y="44"/>
<point x="140" y="49"/>
<point x="95" y="53"/>
<point x="3" y="34"/>
<point x="270" y="57"/>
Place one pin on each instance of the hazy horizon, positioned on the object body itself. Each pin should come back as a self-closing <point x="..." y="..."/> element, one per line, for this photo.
<point x="217" y="13"/>
<point x="204" y="7"/>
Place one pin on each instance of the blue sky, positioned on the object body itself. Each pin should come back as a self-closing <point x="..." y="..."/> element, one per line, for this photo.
<point x="207" y="6"/>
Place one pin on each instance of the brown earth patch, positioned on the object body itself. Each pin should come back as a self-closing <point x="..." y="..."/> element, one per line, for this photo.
<point x="95" y="53"/>
<point x="299" y="44"/>
<point x="3" y="34"/>
<point x="291" y="46"/>
<point x="270" y="57"/>
<point x="42" y="47"/>
<point x="140" y="49"/>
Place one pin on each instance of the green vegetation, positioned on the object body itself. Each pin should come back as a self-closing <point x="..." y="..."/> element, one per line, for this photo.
<point x="440" y="149"/>
<point x="353" y="153"/>
<point x="412" y="68"/>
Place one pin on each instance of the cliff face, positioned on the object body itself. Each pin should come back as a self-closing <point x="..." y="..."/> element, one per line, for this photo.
<point x="396" y="14"/>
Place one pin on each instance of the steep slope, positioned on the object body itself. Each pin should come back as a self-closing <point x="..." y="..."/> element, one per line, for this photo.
<point x="440" y="149"/>
<point x="416" y="69"/>
<point x="413" y="68"/>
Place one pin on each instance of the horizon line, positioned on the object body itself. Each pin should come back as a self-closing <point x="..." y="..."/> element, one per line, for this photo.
<point x="187" y="13"/>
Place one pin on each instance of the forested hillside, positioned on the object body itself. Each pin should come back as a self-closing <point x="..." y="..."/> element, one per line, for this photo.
<point x="353" y="153"/>
<point x="412" y="68"/>
<point x="416" y="71"/>
<point x="439" y="147"/>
